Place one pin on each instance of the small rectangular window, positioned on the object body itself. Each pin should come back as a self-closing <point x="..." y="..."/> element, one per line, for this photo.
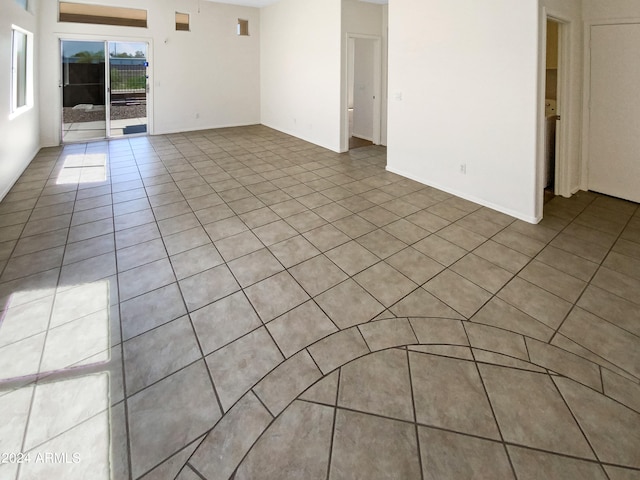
<point x="102" y="15"/>
<point x="23" y="3"/>
<point x="21" y="70"/>
<point x="182" y="21"/>
<point x="243" y="27"/>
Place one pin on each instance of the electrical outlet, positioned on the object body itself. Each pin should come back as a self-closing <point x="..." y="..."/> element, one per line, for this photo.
<point x="463" y="168"/>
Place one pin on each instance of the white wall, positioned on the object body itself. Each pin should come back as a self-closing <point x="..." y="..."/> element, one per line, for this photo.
<point x="569" y="13"/>
<point x="300" y="69"/>
<point x="363" y="88"/>
<point x="209" y="72"/>
<point x="385" y="74"/>
<point x="610" y="9"/>
<point x="363" y="19"/>
<point x="19" y="136"/>
<point x="466" y="99"/>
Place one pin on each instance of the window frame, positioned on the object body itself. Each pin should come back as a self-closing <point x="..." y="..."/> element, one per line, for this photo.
<point x="20" y="68"/>
<point x="242" y="30"/>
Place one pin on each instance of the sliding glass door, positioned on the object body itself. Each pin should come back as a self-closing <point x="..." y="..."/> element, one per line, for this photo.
<point x="104" y="89"/>
<point x="84" y="91"/>
<point x="128" y="93"/>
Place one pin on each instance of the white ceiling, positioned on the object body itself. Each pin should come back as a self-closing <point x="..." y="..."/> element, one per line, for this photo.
<point x="264" y="3"/>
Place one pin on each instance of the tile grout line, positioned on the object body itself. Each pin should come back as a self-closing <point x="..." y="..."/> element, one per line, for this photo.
<point x="333" y="426"/>
<point x="600" y="265"/>
<point x="122" y="350"/>
<point x="578" y="424"/>
<point x="486" y="395"/>
<point x="415" y="417"/>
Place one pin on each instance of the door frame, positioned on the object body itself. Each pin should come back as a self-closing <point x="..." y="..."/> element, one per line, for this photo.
<point x="563" y="131"/>
<point x="586" y="91"/>
<point x="377" y="88"/>
<point x="106" y="39"/>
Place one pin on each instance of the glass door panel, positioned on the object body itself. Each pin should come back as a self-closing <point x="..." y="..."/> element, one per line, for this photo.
<point x="83" y="91"/>
<point x="128" y="88"/>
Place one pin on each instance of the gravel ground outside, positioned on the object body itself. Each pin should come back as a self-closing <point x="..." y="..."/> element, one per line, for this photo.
<point x="118" y="112"/>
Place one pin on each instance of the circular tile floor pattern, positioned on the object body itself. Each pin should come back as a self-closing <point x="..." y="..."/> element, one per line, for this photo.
<point x="423" y="411"/>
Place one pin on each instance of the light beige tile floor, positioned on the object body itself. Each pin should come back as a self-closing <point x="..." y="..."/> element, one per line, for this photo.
<point x="238" y="303"/>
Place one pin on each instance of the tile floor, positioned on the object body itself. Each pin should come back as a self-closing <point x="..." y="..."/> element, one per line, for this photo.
<point x="238" y="303"/>
<point x="87" y="131"/>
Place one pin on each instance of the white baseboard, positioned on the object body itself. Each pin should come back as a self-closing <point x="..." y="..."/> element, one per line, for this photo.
<point x="17" y="177"/>
<point x="204" y="127"/>
<point x="363" y="137"/>
<point x="471" y="198"/>
<point x="297" y="135"/>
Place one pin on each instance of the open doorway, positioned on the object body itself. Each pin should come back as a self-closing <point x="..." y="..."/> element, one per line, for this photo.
<point x="551" y="116"/>
<point x="554" y="146"/>
<point x="104" y="89"/>
<point x="363" y="90"/>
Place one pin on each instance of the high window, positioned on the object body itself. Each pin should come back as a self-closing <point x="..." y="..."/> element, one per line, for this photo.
<point x="243" y="27"/>
<point x="102" y="15"/>
<point x="182" y="21"/>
